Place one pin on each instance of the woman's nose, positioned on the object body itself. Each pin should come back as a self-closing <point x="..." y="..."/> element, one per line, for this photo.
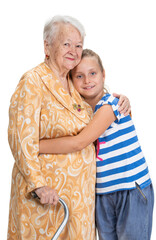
<point x="72" y="49"/>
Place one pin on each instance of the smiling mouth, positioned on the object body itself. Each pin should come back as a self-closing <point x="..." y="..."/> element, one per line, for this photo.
<point x="89" y="87"/>
<point x="71" y="59"/>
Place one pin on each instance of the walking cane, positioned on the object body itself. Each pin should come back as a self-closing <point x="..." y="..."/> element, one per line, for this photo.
<point x="66" y="215"/>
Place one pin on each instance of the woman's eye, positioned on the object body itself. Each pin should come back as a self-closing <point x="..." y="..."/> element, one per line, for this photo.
<point x="66" y="44"/>
<point x="79" y="46"/>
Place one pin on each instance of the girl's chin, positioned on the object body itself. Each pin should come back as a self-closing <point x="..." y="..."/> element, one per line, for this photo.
<point x="87" y="95"/>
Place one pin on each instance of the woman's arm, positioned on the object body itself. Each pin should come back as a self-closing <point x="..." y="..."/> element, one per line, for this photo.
<point x="100" y="122"/>
<point x="23" y="130"/>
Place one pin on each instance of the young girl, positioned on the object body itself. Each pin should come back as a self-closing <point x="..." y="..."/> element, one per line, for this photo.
<point x="124" y="193"/>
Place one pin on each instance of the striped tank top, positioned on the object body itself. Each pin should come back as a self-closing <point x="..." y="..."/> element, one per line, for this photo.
<point x="120" y="161"/>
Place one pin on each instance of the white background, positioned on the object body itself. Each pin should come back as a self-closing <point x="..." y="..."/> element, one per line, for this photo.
<point x="123" y="32"/>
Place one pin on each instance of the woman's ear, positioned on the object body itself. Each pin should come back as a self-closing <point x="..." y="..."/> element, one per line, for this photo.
<point x="46" y="47"/>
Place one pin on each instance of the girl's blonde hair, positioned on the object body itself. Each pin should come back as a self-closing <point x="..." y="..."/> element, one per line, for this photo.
<point x="90" y="53"/>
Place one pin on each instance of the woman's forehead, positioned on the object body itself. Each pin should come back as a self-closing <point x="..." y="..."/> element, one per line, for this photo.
<point x="69" y="32"/>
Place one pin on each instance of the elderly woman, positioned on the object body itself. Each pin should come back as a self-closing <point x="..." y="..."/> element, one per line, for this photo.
<point x="46" y="105"/>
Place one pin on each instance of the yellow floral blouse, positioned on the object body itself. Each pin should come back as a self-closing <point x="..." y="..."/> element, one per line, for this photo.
<point x="41" y="108"/>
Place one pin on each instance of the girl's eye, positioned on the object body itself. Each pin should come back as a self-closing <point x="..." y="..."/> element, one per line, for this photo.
<point x="93" y="73"/>
<point x="79" y="76"/>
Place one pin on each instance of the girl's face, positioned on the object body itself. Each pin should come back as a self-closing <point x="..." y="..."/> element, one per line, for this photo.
<point x="88" y="78"/>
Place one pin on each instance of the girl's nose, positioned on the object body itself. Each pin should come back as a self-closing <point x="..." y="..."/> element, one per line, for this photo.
<point x="86" y="80"/>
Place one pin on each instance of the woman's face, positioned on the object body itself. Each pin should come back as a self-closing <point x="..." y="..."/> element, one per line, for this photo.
<point x="66" y="50"/>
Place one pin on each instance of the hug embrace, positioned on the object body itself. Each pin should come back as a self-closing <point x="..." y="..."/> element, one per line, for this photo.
<point x="59" y="109"/>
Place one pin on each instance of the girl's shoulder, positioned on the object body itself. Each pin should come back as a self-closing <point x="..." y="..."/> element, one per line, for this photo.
<point x="107" y="99"/>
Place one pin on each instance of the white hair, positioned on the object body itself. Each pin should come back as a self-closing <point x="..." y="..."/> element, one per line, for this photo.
<point x="52" y="27"/>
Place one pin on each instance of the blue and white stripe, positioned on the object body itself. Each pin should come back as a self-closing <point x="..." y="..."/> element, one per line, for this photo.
<point x="120" y="161"/>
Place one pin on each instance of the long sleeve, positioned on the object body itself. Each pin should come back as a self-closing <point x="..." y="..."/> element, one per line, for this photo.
<point x="23" y="131"/>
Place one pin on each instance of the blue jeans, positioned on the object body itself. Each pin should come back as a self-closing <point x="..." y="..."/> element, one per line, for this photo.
<point x="125" y="215"/>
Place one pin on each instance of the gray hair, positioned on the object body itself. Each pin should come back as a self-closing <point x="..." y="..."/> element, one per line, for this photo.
<point x="52" y="27"/>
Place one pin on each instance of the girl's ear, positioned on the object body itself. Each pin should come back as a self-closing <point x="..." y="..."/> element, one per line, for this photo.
<point x="103" y="75"/>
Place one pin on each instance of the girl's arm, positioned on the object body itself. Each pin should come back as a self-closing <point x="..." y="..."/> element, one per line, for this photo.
<point x="100" y="122"/>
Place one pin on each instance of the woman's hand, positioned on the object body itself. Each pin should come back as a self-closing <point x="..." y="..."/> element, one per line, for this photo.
<point x="124" y="104"/>
<point x="47" y="195"/>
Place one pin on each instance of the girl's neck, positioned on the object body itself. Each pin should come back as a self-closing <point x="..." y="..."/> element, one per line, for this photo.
<point x="93" y="101"/>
